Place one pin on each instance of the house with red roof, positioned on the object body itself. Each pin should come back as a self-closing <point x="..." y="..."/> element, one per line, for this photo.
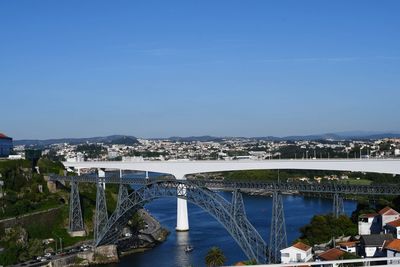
<point x="331" y="255"/>
<point x="387" y="214"/>
<point x="298" y="252"/>
<point x="392" y="249"/>
<point x="6" y="145"/>
<point x="393" y="227"/>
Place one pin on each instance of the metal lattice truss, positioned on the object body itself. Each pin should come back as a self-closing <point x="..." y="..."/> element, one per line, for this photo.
<point x="278" y="238"/>
<point x="237" y="206"/>
<point x="101" y="215"/>
<point x="338" y="207"/>
<point x="232" y="218"/>
<point x="267" y="186"/>
<point x="75" y="211"/>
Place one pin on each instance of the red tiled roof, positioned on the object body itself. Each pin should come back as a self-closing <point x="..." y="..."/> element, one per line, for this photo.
<point x="395" y="223"/>
<point x="301" y="246"/>
<point x="3" y="136"/>
<point x="393" y="245"/>
<point x="331" y="254"/>
<point x="388" y="211"/>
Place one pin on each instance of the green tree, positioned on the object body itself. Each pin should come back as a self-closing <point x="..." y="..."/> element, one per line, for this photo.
<point x="215" y="257"/>
<point x="35" y="248"/>
<point x="323" y="227"/>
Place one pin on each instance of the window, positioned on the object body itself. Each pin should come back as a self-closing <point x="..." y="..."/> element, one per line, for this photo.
<point x="285" y="255"/>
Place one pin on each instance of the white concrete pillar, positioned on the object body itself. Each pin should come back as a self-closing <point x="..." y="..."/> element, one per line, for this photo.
<point x="182" y="217"/>
<point x="102" y="174"/>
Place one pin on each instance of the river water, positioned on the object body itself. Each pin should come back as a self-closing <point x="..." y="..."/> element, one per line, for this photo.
<point x="206" y="232"/>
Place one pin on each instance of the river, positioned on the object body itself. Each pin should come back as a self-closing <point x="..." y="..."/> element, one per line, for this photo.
<point x="206" y="232"/>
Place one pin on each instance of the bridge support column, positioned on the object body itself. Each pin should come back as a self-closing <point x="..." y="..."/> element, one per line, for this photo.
<point x="238" y="208"/>
<point x="76" y="227"/>
<point x="123" y="196"/>
<point x="338" y="206"/>
<point x="101" y="216"/>
<point x="102" y="174"/>
<point x="278" y="238"/>
<point x="182" y="216"/>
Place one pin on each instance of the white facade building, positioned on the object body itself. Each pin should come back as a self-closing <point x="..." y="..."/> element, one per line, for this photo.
<point x="368" y="224"/>
<point x="350" y="246"/>
<point x="299" y="252"/>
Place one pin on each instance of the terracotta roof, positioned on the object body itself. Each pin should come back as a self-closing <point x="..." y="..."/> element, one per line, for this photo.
<point x="240" y="263"/>
<point x="393" y="245"/>
<point x="395" y="223"/>
<point x="301" y="246"/>
<point x="348" y="244"/>
<point x="388" y="211"/>
<point x="369" y="215"/>
<point x="3" y="136"/>
<point x="331" y="254"/>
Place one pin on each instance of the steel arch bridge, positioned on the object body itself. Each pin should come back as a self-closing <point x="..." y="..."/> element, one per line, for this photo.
<point x="231" y="216"/>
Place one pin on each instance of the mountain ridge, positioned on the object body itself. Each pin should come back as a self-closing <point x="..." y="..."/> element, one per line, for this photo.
<point x="128" y="139"/>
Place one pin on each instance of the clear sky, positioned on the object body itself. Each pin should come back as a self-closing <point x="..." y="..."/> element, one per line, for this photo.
<point x="225" y="68"/>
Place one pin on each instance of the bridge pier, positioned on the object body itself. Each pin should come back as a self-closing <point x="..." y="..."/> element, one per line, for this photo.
<point x="182" y="216"/>
<point x="123" y="195"/>
<point x="76" y="227"/>
<point x="101" y="215"/>
<point x="338" y="206"/>
<point x="238" y="208"/>
<point x="278" y="238"/>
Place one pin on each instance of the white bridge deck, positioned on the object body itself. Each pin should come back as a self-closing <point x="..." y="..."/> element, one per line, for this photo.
<point x="180" y="168"/>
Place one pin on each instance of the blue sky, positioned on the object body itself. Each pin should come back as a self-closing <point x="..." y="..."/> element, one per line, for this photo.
<point x="226" y="68"/>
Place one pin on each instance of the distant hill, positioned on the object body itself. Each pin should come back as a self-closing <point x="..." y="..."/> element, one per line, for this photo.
<point x="131" y="140"/>
<point x="204" y="138"/>
<point x="333" y="136"/>
<point x="112" y="139"/>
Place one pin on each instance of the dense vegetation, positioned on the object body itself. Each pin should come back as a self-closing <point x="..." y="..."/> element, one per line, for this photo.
<point x="26" y="192"/>
<point x="323" y="228"/>
<point x="125" y="140"/>
<point x="284" y="175"/>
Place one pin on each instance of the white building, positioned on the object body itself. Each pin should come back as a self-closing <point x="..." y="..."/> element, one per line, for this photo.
<point x="388" y="215"/>
<point x="299" y="252"/>
<point x="349" y="246"/>
<point x="368" y="224"/>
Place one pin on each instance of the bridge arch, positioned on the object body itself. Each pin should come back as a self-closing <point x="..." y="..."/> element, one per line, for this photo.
<point x="237" y="225"/>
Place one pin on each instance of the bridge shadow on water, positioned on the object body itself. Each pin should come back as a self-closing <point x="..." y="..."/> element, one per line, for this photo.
<point x="206" y="232"/>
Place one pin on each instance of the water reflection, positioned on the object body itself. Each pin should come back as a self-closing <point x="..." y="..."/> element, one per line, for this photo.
<point x="181" y="257"/>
